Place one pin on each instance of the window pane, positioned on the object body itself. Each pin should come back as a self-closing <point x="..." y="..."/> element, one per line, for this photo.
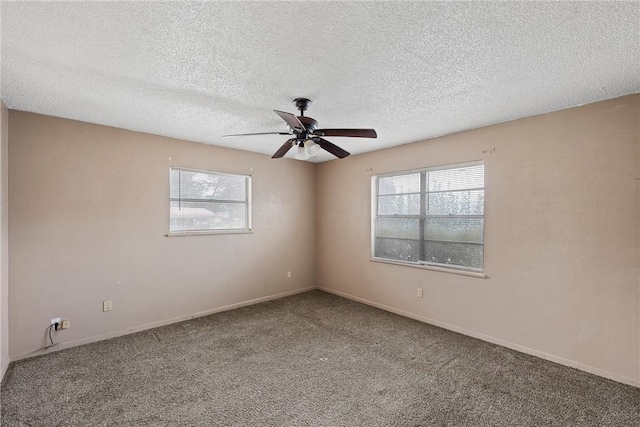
<point x="463" y="254"/>
<point x="207" y="216"/>
<point x="186" y="184"/>
<point x="457" y="179"/>
<point x="402" y="228"/>
<point x="399" y="205"/>
<point x="456" y="203"/>
<point x="403" y="250"/>
<point x="454" y="229"/>
<point x="399" y="184"/>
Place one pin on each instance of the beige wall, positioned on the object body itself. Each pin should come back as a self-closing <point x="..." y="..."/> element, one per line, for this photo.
<point x="88" y="217"/>
<point x="4" y="240"/>
<point x="561" y="237"/>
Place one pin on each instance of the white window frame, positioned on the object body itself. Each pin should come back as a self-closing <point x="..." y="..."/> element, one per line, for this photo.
<point x="450" y="268"/>
<point x="243" y="230"/>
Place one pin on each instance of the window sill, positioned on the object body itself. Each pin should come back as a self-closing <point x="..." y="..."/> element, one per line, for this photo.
<point x="208" y="232"/>
<point x="432" y="267"/>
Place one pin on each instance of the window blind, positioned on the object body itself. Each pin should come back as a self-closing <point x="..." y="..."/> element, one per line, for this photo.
<point x="431" y="216"/>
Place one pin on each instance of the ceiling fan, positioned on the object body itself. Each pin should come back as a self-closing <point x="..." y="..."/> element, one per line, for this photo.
<point x="307" y="136"/>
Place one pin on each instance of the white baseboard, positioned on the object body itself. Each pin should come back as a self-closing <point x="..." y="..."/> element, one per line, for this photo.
<point x="88" y="340"/>
<point x="3" y="369"/>
<point x="557" y="359"/>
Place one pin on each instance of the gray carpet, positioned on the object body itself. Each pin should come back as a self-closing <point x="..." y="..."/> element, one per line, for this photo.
<point x="312" y="359"/>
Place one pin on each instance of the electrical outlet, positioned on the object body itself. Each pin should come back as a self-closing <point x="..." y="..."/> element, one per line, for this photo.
<point x="419" y="293"/>
<point x="288" y="275"/>
<point x="66" y="324"/>
<point x="55" y="320"/>
<point x="106" y="306"/>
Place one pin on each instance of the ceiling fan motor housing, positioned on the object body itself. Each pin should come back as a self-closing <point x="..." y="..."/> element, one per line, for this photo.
<point x="309" y="123"/>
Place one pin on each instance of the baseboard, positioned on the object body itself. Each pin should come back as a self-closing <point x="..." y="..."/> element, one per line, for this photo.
<point x="557" y="359"/>
<point x="82" y="341"/>
<point x="3" y="369"/>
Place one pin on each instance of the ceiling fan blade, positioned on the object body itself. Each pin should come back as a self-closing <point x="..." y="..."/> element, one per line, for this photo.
<point x="354" y="133"/>
<point x="291" y="120"/>
<point x="283" y="150"/>
<point x="330" y="147"/>
<point x="258" y="133"/>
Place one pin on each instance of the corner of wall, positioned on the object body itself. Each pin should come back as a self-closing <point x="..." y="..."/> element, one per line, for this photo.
<point x="4" y="248"/>
<point x="316" y="249"/>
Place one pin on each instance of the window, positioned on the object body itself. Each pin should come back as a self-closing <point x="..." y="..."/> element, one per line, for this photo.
<point x="209" y="202"/>
<point x="432" y="216"/>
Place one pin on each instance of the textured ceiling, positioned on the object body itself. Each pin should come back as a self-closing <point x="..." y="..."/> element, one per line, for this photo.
<point x="411" y="70"/>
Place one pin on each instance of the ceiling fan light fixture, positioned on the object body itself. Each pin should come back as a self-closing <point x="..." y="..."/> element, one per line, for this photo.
<point x="311" y="147"/>
<point x="301" y="153"/>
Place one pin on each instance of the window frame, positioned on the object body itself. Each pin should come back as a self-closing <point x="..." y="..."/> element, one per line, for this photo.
<point x="247" y="202"/>
<point x="449" y="268"/>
